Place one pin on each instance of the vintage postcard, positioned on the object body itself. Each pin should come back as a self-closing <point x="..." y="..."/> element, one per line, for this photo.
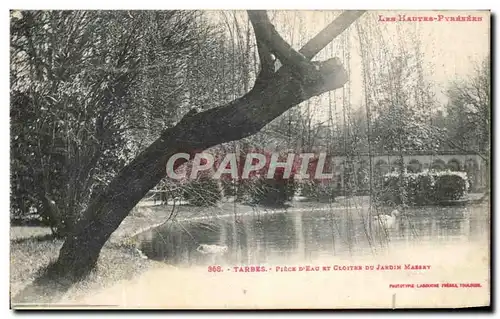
<point x="250" y="159"/>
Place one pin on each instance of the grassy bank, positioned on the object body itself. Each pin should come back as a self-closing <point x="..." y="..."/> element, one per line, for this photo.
<point x="30" y="255"/>
<point x="32" y="248"/>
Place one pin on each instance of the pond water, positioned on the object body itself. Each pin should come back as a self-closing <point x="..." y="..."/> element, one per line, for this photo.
<point x="262" y="237"/>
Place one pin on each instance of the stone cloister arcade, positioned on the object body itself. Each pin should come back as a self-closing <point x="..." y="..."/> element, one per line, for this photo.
<point x="357" y="167"/>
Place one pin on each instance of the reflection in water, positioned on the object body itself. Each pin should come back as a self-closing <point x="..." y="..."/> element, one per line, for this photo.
<point x="262" y="238"/>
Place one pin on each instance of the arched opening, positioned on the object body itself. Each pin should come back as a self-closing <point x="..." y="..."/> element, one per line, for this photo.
<point x="414" y="166"/>
<point x="381" y="168"/>
<point x="454" y="165"/>
<point x="438" y="165"/>
<point x="472" y="169"/>
<point x="396" y="165"/>
<point x="338" y="181"/>
<point x="348" y="176"/>
<point x="362" y="176"/>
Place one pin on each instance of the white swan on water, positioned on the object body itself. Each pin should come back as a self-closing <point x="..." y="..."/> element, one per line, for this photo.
<point x="388" y="221"/>
<point x="212" y="249"/>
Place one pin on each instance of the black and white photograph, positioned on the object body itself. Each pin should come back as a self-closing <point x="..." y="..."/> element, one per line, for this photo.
<point x="250" y="159"/>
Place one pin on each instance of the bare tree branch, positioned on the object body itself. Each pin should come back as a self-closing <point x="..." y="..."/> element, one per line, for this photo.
<point x="266" y="61"/>
<point x="266" y="34"/>
<point x="265" y="56"/>
<point x="269" y="41"/>
<point x="330" y="32"/>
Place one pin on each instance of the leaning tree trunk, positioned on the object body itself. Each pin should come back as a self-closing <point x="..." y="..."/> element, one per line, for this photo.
<point x="237" y="120"/>
<point x="273" y="93"/>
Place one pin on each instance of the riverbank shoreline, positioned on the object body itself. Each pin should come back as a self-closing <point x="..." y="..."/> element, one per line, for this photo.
<point x="198" y="288"/>
<point x="32" y="248"/>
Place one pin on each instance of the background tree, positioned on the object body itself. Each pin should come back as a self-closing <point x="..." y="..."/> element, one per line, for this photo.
<point x="468" y="121"/>
<point x="273" y="93"/>
<point x="469" y="110"/>
<point x="401" y="123"/>
<point x="82" y="86"/>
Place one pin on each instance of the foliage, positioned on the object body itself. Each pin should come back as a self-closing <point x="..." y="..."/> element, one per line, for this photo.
<point x="424" y="188"/>
<point x="272" y="192"/>
<point x="469" y="110"/>
<point x="419" y="189"/>
<point x="401" y="119"/>
<point x="83" y="84"/>
<point x="202" y="192"/>
<point x="319" y="191"/>
<point x="450" y="187"/>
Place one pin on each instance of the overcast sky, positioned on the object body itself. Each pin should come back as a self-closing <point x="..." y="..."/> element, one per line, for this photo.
<point x="449" y="48"/>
